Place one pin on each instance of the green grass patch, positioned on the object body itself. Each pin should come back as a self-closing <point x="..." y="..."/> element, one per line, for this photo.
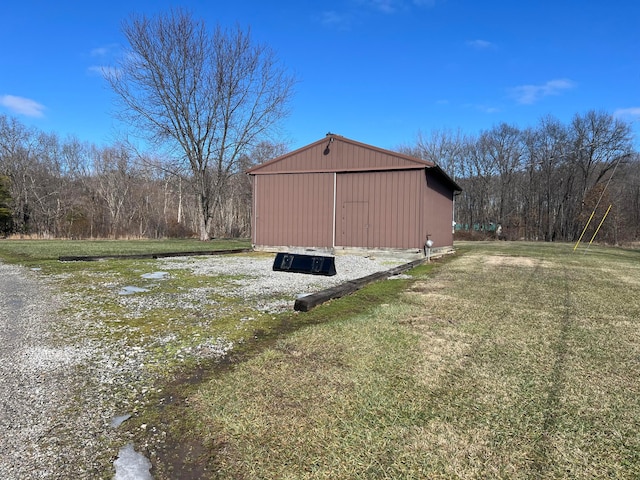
<point x="512" y="360"/>
<point x="34" y="252"/>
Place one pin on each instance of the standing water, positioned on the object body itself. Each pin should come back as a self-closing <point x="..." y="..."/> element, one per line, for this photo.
<point x="131" y="465"/>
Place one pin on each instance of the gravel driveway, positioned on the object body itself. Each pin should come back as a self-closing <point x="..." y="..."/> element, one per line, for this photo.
<point x="57" y="386"/>
<point x="42" y="432"/>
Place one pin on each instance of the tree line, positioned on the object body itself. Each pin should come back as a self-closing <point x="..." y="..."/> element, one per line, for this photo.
<point x="55" y="188"/>
<point x="539" y="183"/>
<point x="546" y="182"/>
<point x="203" y="100"/>
<point x="208" y="101"/>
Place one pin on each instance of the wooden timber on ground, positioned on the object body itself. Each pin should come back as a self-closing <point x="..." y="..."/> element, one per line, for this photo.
<point x="306" y="303"/>
<point x="95" y="258"/>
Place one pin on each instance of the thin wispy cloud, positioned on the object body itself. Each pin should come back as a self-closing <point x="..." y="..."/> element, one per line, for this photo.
<point x="22" y="106"/>
<point x="103" y="51"/>
<point x="103" y="55"/>
<point x="480" y="44"/>
<point x="630" y="113"/>
<point x="103" y="70"/>
<point x="343" y="20"/>
<point x="393" y="6"/>
<point x="482" y="107"/>
<point x="335" y="20"/>
<point x="384" y="6"/>
<point x="99" y="52"/>
<point x="530" y="94"/>
<point x="487" y="108"/>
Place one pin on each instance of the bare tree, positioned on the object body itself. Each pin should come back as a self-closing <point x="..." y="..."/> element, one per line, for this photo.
<point x="478" y="171"/>
<point x="502" y="147"/>
<point x="599" y="142"/>
<point x="113" y="182"/>
<point x="17" y="160"/>
<point x="208" y="96"/>
<point x="628" y="195"/>
<point x="549" y="183"/>
<point x="444" y="148"/>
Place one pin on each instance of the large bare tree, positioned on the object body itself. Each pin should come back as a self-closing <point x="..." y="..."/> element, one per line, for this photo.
<point x="207" y="95"/>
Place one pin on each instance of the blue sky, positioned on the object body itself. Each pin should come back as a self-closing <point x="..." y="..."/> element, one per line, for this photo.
<point x="376" y="71"/>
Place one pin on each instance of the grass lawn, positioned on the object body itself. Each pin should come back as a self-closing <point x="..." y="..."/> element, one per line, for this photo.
<point x="34" y="252"/>
<point x="510" y="360"/>
<point x="507" y="360"/>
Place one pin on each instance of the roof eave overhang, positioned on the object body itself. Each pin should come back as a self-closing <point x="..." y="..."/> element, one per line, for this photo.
<point x="345" y="170"/>
<point x="446" y="178"/>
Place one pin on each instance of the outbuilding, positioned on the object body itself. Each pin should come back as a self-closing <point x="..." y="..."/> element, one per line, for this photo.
<point x="337" y="194"/>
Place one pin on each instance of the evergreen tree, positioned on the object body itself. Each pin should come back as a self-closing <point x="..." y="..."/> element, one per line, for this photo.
<point x="6" y="220"/>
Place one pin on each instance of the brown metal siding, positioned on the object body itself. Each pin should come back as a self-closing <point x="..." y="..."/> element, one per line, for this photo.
<point x="379" y="209"/>
<point x="438" y="211"/>
<point x="343" y="156"/>
<point x="293" y="209"/>
<point x="382" y="199"/>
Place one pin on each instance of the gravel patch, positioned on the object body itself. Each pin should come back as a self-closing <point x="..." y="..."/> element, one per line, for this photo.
<point x="65" y="378"/>
<point x="260" y="283"/>
<point x="37" y="381"/>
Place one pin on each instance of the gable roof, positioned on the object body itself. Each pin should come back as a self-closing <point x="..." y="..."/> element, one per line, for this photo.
<point x="335" y="153"/>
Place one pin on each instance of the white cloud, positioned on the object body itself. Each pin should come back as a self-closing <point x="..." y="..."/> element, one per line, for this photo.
<point x="22" y="106"/>
<point x="530" y="94"/>
<point x="484" y="108"/>
<point x="103" y="70"/>
<point x="334" y="19"/>
<point x="480" y="44"/>
<point x="104" y="50"/>
<point x="631" y="113"/>
<point x="393" y="6"/>
<point x="487" y="109"/>
<point x="99" y="52"/>
<point x="343" y="20"/>
<point x="384" y="6"/>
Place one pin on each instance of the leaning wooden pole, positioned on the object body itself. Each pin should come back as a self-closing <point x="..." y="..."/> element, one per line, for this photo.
<point x="584" y="229"/>
<point x="598" y="229"/>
